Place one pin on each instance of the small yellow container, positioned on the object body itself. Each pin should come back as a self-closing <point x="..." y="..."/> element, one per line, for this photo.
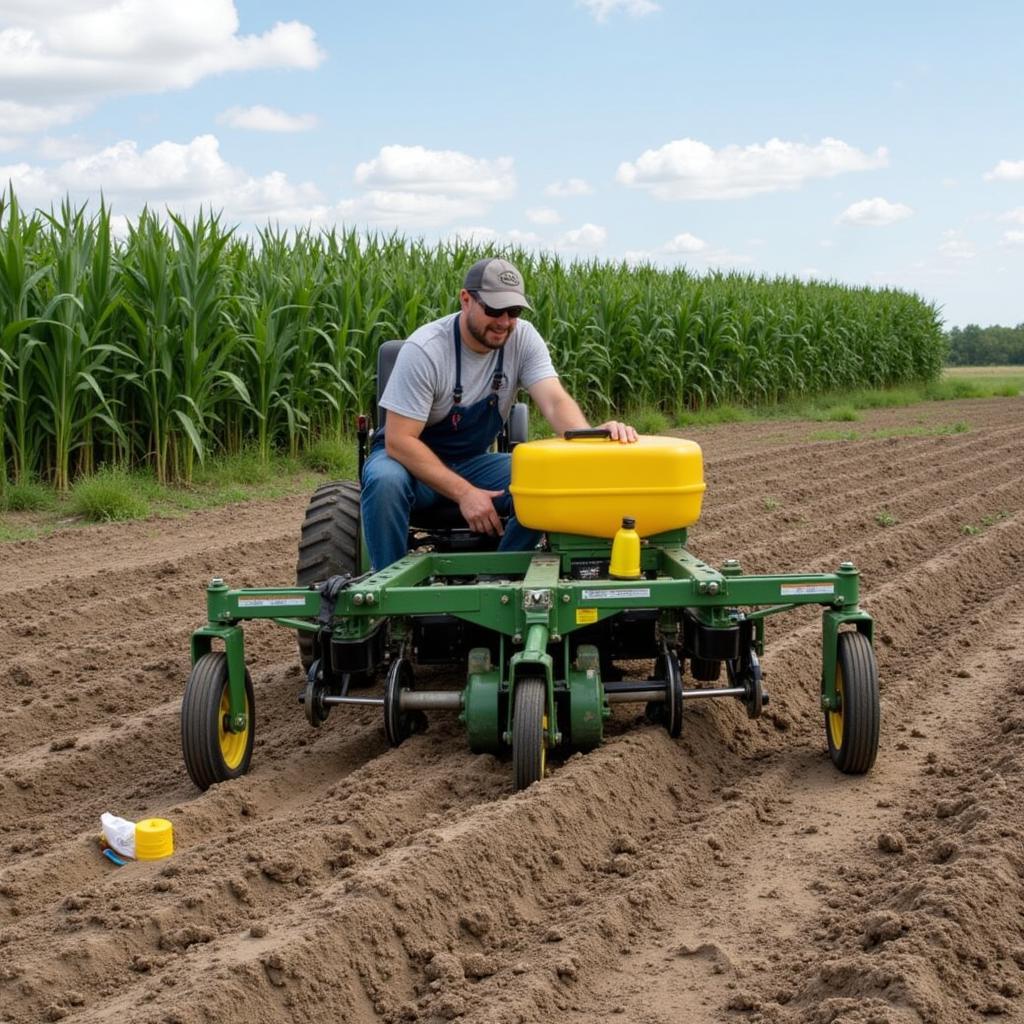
<point x="587" y="485"/>
<point x="154" y="839"/>
<point x="625" y="561"/>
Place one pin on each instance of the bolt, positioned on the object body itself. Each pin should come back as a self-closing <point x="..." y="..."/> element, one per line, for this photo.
<point x="216" y="582"/>
<point x="846" y="566"/>
<point x="566" y="599"/>
<point x="371" y="599"/>
<point x="357" y="599"/>
<point x="556" y="638"/>
<point x="504" y="598"/>
<point x="517" y="638"/>
<point x="712" y="588"/>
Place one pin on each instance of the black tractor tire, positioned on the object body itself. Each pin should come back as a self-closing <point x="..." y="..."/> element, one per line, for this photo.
<point x="212" y="753"/>
<point x="329" y="545"/>
<point x="852" y="729"/>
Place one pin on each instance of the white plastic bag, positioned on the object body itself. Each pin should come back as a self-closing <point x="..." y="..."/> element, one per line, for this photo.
<point x="119" y="834"/>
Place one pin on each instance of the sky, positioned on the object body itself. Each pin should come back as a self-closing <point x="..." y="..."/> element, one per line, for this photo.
<point x="877" y="144"/>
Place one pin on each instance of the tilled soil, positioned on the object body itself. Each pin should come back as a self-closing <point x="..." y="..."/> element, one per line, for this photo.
<point x="730" y="875"/>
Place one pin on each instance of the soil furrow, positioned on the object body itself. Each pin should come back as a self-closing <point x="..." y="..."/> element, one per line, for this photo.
<point x="730" y="875"/>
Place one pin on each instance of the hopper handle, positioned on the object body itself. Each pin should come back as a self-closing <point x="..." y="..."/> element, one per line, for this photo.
<point x="570" y="435"/>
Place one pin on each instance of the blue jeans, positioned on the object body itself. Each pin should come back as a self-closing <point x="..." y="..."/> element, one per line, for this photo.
<point x="390" y="494"/>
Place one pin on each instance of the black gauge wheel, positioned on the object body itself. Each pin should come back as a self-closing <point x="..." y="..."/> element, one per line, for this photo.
<point x="852" y="727"/>
<point x="212" y="752"/>
<point x="529" y="732"/>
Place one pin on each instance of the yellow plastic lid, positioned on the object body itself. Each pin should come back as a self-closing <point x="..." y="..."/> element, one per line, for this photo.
<point x="154" y="839"/>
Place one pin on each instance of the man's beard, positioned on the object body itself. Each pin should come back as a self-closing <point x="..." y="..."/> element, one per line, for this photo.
<point x="481" y="338"/>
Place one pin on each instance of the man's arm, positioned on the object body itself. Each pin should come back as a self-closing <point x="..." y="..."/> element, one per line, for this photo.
<point x="402" y="442"/>
<point x="561" y="411"/>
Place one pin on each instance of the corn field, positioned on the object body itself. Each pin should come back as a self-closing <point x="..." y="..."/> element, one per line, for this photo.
<point x="186" y="338"/>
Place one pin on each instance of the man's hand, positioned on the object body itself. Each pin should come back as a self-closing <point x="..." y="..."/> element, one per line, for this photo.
<point x="477" y="509"/>
<point x="619" y="431"/>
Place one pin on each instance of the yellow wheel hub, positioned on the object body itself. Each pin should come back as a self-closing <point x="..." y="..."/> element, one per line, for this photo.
<point x="232" y="744"/>
<point x="835" y="718"/>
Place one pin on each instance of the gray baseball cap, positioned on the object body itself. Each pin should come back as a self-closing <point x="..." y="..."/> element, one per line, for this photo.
<point x="497" y="282"/>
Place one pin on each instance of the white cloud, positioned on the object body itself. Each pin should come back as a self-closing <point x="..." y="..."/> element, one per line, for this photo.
<point x="725" y="258"/>
<point x="484" y="234"/>
<point x="410" y="186"/>
<point x="65" y="54"/>
<point x="525" y="238"/>
<point x="1006" y="170"/>
<point x="875" y="212"/>
<point x="601" y="9"/>
<point x="7" y="144"/>
<point x="266" y="119"/>
<point x="1013" y="216"/>
<point x="31" y="117"/>
<point x="63" y="147"/>
<point x="956" y="247"/>
<point x="167" y="169"/>
<point x="688" y="169"/>
<point x="685" y="243"/>
<point x="438" y="171"/>
<point x="182" y="176"/>
<point x="568" y="189"/>
<point x="543" y="215"/>
<point x="1012" y="238"/>
<point x="473" y="234"/>
<point x="637" y="257"/>
<point x="408" y="209"/>
<point x="587" y="236"/>
<point x="30" y="183"/>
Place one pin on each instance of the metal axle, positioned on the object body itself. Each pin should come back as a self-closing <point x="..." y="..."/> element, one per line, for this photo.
<point x="410" y="700"/>
<point x="624" y="693"/>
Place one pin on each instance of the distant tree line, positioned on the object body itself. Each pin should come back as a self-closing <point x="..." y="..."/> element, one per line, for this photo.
<point x="986" y="346"/>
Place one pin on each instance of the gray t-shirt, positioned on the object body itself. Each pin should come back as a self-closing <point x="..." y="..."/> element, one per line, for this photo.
<point x="423" y="379"/>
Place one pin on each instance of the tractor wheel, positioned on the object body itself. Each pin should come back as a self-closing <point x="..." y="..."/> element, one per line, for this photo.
<point x="852" y="728"/>
<point x="529" y="732"/>
<point x="212" y="753"/>
<point x="329" y="545"/>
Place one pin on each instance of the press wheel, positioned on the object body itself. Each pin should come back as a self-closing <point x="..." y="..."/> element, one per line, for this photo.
<point x="213" y="753"/>
<point x="755" y="698"/>
<point x="852" y="727"/>
<point x="667" y="668"/>
<point x="313" y="697"/>
<point x="529" y="732"/>
<point x="399" y="725"/>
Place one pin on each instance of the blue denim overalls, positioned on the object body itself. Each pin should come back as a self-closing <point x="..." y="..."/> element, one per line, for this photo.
<point x="460" y="441"/>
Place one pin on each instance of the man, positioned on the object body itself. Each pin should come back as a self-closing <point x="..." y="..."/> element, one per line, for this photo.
<point x="452" y="387"/>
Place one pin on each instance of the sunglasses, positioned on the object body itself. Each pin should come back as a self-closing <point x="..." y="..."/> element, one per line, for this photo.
<point x="512" y="311"/>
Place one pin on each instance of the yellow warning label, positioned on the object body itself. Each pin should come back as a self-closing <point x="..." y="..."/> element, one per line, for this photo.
<point x="584" y="616"/>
